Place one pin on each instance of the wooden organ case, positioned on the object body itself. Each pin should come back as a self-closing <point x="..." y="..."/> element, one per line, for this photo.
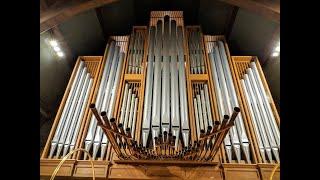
<point x="164" y="134"/>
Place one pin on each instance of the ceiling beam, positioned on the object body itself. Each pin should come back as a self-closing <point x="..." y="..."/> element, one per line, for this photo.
<point x="54" y="16"/>
<point x="266" y="8"/>
<point x="99" y="12"/>
<point x="230" y="22"/>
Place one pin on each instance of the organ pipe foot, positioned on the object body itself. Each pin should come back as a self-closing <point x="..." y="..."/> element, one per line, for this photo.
<point x="263" y="155"/>
<point x="59" y="150"/>
<point x="165" y="127"/>
<point x="276" y="154"/>
<point x="95" y="150"/>
<point x="145" y="135"/>
<point x="185" y="137"/>
<point x="103" y="150"/>
<point x="246" y="151"/>
<point x="87" y="147"/>
<point x="65" y="149"/>
<point x="52" y="149"/>
<point x="175" y="132"/>
<point x="229" y="153"/>
<point x="155" y="133"/>
<point x="237" y="151"/>
<point x="268" y="151"/>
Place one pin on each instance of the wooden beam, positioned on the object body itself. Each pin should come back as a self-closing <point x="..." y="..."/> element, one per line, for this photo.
<point x="266" y="8"/>
<point x="54" y="16"/>
<point x="230" y="22"/>
<point x="99" y="12"/>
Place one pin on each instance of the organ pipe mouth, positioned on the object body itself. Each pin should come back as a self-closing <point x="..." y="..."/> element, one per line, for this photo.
<point x="236" y="109"/>
<point x="103" y="113"/>
<point x="91" y="106"/>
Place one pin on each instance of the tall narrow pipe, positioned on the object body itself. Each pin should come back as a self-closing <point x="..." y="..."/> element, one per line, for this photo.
<point x="227" y="103"/>
<point x="254" y="120"/>
<point x="106" y="100"/>
<point x="71" y="112"/>
<point x="110" y="110"/>
<point x="183" y="89"/>
<point x="100" y="95"/>
<point x="148" y="90"/>
<point x="264" y="96"/>
<point x="83" y="108"/>
<point x="265" y="120"/>
<point x="221" y="109"/>
<point x="65" y="110"/>
<point x="76" y="114"/>
<point x="157" y="83"/>
<point x="264" y="134"/>
<point x="133" y="127"/>
<point x="234" y="101"/>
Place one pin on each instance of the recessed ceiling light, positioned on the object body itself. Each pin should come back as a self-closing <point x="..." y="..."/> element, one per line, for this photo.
<point x="53" y="43"/>
<point x="275" y="54"/>
<point x="56" y="48"/>
<point x="60" y="54"/>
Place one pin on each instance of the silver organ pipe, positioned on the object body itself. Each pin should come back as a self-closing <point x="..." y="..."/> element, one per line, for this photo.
<point x="182" y="89"/>
<point x="76" y="113"/>
<point x="266" y="122"/>
<point x="93" y="122"/>
<point x="71" y="112"/>
<point x="234" y="102"/>
<point x="266" y="103"/>
<point x="106" y="100"/>
<point x="54" y="142"/>
<point x="157" y="83"/>
<point x="175" y="114"/>
<point x="148" y="91"/>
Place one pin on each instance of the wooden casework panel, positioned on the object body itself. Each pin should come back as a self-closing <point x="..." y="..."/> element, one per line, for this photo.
<point x="266" y="170"/>
<point x="240" y="172"/>
<point x="47" y="166"/>
<point x="83" y="169"/>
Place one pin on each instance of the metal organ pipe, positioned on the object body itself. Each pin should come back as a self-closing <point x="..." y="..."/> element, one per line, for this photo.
<point x="234" y="101"/>
<point x="222" y="80"/>
<point x="157" y="83"/>
<point x="182" y="90"/>
<point x="274" y="145"/>
<point x="76" y="113"/>
<point x="148" y="91"/>
<point x="175" y="114"/>
<point x="221" y="108"/>
<point x="98" y="103"/>
<point x="254" y="120"/>
<point x="65" y="111"/>
<point x="270" y="114"/>
<point x="261" y="127"/>
<point x="71" y="112"/>
<point x="165" y="85"/>
<point x="106" y="100"/>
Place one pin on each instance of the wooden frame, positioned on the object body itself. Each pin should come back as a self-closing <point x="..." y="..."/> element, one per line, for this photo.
<point x="93" y="63"/>
<point x="240" y="64"/>
<point x="208" y="39"/>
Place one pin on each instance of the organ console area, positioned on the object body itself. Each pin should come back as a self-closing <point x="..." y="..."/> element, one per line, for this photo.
<point x="165" y="102"/>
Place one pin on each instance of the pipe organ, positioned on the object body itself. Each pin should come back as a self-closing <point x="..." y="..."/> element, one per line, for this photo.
<point x="165" y="101"/>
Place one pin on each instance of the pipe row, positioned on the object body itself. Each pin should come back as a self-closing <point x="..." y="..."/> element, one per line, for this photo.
<point x="196" y="53"/>
<point x="265" y="127"/>
<point x="135" y="53"/>
<point x="237" y="139"/>
<point x="70" y="120"/>
<point x="105" y="99"/>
